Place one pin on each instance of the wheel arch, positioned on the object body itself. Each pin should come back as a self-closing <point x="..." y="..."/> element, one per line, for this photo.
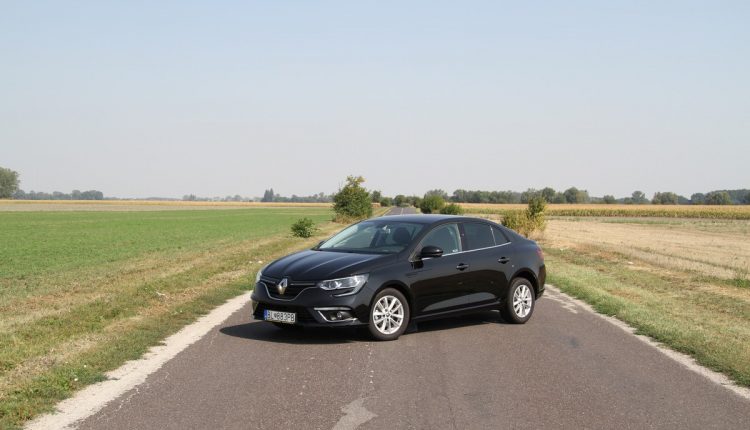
<point x="403" y="289"/>
<point x="530" y="276"/>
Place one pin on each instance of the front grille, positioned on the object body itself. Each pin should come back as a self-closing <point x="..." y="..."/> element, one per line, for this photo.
<point x="292" y="289"/>
<point x="303" y="315"/>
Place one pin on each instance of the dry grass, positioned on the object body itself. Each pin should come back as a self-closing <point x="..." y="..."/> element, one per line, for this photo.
<point x="714" y="248"/>
<point x="683" y="282"/>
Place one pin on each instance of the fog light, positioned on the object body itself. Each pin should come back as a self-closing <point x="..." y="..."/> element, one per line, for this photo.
<point x="335" y="314"/>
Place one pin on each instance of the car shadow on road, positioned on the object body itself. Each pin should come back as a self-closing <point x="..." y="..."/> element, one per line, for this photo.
<point x="267" y="332"/>
<point x="480" y="318"/>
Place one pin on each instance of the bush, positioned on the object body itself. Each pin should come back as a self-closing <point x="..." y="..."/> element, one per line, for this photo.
<point x="452" y="209"/>
<point x="304" y="227"/>
<point x="386" y="201"/>
<point x="431" y="203"/>
<point x="529" y="221"/>
<point x="516" y="220"/>
<point x="352" y="202"/>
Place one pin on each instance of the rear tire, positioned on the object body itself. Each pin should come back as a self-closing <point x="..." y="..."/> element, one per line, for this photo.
<point x="389" y="315"/>
<point x="519" y="302"/>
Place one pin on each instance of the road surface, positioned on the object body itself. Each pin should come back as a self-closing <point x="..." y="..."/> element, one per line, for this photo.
<point x="566" y="368"/>
<point x="402" y="211"/>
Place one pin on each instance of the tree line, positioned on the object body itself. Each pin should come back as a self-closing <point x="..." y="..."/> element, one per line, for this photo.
<point x="9" y="188"/>
<point x="574" y="195"/>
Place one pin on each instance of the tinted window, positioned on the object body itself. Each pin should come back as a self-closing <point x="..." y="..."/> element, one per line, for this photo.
<point x="478" y="235"/>
<point x="445" y="237"/>
<point x="499" y="236"/>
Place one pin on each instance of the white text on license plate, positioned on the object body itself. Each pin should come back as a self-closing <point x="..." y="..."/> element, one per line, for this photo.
<point x="278" y="316"/>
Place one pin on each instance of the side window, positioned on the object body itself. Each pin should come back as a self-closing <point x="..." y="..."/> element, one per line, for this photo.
<point x="500" y="238"/>
<point x="445" y="237"/>
<point x="478" y="235"/>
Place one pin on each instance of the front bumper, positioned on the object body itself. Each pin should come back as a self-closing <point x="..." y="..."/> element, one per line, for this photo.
<point x="310" y="306"/>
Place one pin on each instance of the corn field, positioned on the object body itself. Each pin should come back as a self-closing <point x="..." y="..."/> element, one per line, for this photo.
<point x="738" y="212"/>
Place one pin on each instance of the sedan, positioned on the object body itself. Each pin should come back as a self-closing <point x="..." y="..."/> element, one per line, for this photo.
<point x="386" y="272"/>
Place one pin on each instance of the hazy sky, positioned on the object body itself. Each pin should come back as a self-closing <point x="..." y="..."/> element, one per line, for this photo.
<point x="215" y="98"/>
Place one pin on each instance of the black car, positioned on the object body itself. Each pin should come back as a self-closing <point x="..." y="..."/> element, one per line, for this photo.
<point x="385" y="272"/>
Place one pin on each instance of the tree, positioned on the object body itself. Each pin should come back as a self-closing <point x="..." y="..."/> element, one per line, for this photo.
<point x="386" y="201"/>
<point x="718" y="198"/>
<point x="574" y="195"/>
<point x="440" y="193"/>
<point x="376" y="196"/>
<point x="399" y="200"/>
<point x="92" y="195"/>
<point x="8" y="183"/>
<point x="639" y="198"/>
<point x="432" y="204"/>
<point x="548" y="194"/>
<point x="352" y="202"/>
<point x="529" y="194"/>
<point x="698" y="199"/>
<point x="746" y="200"/>
<point x="610" y="200"/>
<point x="268" y="196"/>
<point x="665" y="198"/>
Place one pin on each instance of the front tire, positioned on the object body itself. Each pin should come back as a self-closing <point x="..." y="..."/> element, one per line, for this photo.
<point x="389" y="315"/>
<point x="519" y="303"/>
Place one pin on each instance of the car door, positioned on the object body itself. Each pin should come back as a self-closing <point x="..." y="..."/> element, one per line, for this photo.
<point x="437" y="283"/>
<point x="486" y="280"/>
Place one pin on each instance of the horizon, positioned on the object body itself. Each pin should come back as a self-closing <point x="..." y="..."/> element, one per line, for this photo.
<point x="172" y="99"/>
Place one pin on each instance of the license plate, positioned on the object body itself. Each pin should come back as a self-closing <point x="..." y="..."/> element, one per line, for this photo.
<point x="278" y="316"/>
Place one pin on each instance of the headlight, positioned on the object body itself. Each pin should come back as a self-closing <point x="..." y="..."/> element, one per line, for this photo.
<point x="353" y="283"/>
<point x="260" y="273"/>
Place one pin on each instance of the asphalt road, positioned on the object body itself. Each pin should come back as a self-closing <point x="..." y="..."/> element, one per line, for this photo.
<point x="402" y="211"/>
<point x="566" y="368"/>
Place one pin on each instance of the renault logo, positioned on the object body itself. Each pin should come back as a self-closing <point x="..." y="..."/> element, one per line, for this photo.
<point x="281" y="286"/>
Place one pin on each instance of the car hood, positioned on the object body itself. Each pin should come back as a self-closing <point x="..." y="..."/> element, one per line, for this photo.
<point x="321" y="265"/>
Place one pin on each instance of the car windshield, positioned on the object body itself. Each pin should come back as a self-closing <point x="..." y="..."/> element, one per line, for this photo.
<point x="375" y="237"/>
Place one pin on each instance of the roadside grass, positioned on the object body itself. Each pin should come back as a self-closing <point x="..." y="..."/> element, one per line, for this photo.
<point x="81" y="293"/>
<point x="689" y="309"/>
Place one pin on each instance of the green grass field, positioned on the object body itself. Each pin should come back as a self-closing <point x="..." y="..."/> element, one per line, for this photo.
<point x="83" y="292"/>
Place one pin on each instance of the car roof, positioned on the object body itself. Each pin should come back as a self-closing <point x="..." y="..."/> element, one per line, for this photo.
<point x="427" y="219"/>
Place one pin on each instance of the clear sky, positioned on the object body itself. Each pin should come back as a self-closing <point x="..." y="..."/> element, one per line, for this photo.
<point x="214" y="98"/>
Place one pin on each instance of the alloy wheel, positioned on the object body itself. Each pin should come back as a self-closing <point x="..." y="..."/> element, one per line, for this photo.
<point x="388" y="315"/>
<point x="522" y="301"/>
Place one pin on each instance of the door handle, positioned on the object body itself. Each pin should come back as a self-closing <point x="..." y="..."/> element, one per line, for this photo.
<point x="462" y="266"/>
<point x="503" y="260"/>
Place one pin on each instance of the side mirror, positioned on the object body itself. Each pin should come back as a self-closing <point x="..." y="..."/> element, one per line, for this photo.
<point x="431" y="252"/>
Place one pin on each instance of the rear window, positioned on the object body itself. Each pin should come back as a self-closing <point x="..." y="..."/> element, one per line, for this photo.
<point x="500" y="238"/>
<point x="478" y="235"/>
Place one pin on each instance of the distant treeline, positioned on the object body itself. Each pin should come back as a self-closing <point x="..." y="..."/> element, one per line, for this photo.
<point x="575" y="195"/>
<point x="57" y="195"/>
<point x="268" y="196"/>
